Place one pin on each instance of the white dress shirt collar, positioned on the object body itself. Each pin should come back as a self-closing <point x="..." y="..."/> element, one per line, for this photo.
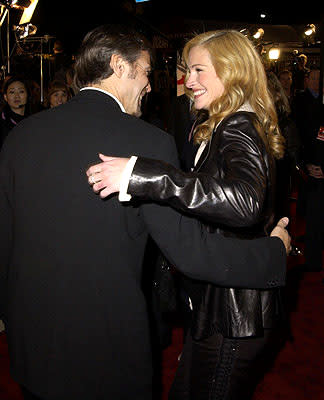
<point x="105" y="91"/>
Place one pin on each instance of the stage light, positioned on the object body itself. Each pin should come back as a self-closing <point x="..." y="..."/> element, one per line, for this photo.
<point x="274" y="53"/>
<point x="245" y="32"/>
<point x="28" y="13"/>
<point x="258" y="34"/>
<point x="25" y="30"/>
<point x="310" y="30"/>
<point x="4" y="12"/>
<point x="21" y="4"/>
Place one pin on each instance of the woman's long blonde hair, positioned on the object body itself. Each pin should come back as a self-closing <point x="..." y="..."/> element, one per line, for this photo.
<point x="240" y="69"/>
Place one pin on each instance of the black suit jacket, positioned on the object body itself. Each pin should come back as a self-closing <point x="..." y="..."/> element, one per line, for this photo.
<point x="77" y="323"/>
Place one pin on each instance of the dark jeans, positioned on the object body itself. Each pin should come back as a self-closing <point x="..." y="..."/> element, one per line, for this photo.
<point x="217" y="368"/>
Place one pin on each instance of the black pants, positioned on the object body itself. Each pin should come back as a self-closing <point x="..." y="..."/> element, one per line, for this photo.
<point x="219" y="369"/>
<point x="28" y="395"/>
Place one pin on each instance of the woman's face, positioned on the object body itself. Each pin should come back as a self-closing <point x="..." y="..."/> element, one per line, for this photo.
<point x="58" y="97"/>
<point x="16" y="95"/>
<point x="203" y="80"/>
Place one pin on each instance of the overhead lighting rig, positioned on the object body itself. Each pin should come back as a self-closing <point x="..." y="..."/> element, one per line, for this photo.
<point x="28" y="12"/>
<point x="310" y="30"/>
<point x="254" y="34"/>
<point x="258" y="33"/>
<point x="20" y="4"/>
<point x="25" y="30"/>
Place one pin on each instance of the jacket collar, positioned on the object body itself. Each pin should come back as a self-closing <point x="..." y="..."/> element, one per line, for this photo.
<point x="203" y="150"/>
<point x="95" y="99"/>
<point x="107" y="93"/>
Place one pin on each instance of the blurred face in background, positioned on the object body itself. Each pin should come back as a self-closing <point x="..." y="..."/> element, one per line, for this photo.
<point x="312" y="82"/>
<point x="286" y="80"/>
<point x="16" y="97"/>
<point x="57" y="98"/>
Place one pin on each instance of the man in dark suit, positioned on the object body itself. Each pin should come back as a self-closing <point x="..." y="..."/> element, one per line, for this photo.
<point x="71" y="263"/>
<point x="314" y="237"/>
<point x="306" y="112"/>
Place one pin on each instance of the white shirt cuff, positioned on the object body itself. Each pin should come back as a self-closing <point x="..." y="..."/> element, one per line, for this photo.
<point x="123" y="187"/>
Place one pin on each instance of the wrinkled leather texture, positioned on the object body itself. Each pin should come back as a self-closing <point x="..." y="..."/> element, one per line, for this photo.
<point x="231" y="189"/>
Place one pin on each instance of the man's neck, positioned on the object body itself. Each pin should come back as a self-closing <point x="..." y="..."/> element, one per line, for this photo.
<point x="108" y="86"/>
<point x="109" y="89"/>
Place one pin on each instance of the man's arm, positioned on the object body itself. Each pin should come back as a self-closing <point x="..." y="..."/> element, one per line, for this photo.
<point x="199" y="254"/>
<point x="186" y="243"/>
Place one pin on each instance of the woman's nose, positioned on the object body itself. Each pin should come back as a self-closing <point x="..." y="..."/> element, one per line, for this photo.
<point x="189" y="82"/>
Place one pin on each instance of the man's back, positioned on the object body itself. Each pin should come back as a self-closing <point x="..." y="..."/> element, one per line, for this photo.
<point x="76" y="259"/>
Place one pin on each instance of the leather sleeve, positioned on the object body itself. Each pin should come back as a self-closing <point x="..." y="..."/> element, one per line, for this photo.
<point x="209" y="256"/>
<point x="231" y="191"/>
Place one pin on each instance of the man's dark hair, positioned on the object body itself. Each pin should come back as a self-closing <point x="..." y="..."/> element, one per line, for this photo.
<point x="93" y="61"/>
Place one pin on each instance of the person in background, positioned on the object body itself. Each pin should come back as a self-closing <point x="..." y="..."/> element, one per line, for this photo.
<point x="35" y="96"/>
<point x="58" y="93"/>
<point x="286" y="166"/>
<point x="15" y="109"/>
<point x="230" y="190"/>
<point x="69" y="79"/>
<point x="314" y="236"/>
<point x="308" y="113"/>
<point x="71" y="264"/>
<point x="285" y="78"/>
<point x="60" y="61"/>
<point x="299" y="73"/>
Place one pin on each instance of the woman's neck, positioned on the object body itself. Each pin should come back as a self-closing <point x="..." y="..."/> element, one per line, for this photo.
<point x="19" y="110"/>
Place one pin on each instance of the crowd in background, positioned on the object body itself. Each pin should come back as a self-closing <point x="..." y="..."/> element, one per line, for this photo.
<point x="21" y="94"/>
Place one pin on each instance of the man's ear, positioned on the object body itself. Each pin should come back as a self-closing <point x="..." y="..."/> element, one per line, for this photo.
<point x="118" y="64"/>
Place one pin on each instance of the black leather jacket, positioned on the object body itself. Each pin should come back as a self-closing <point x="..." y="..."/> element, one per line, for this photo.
<point x="231" y="190"/>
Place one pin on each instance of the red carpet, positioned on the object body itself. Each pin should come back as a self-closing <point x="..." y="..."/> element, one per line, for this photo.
<point x="298" y="370"/>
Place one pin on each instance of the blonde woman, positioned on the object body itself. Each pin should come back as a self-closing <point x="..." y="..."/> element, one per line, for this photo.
<point x="231" y="190"/>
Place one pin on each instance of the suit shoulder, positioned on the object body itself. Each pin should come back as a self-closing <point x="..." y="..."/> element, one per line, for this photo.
<point x="145" y="129"/>
<point x="29" y="123"/>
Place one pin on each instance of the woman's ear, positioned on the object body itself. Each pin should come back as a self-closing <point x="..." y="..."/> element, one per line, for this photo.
<point x="117" y="63"/>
